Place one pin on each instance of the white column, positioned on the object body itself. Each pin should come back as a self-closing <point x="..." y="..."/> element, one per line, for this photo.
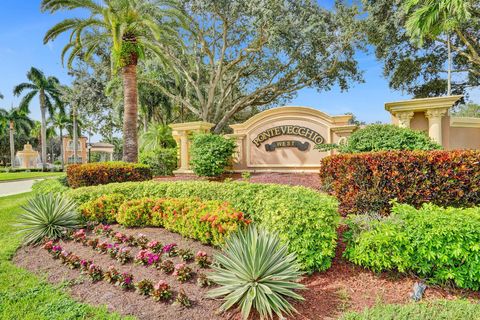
<point x="435" y="124"/>
<point x="404" y="118"/>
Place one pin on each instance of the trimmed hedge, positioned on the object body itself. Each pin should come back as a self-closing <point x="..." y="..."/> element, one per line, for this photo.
<point x="367" y="182"/>
<point x="92" y="174"/>
<point x="442" y="245"/>
<point x="304" y="218"/>
<point x="207" y="221"/>
<point x="54" y="185"/>
<point x="162" y="161"/>
<point x="104" y="209"/>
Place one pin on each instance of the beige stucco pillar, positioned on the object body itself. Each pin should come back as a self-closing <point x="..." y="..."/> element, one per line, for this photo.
<point x="431" y="110"/>
<point x="404" y="118"/>
<point x="435" y="129"/>
<point x="182" y="133"/>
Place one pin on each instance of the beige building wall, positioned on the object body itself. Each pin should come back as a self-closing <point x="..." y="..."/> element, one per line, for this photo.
<point x="431" y="115"/>
<point x="68" y="150"/>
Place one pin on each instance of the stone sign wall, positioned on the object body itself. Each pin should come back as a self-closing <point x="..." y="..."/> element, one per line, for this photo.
<point x="283" y="139"/>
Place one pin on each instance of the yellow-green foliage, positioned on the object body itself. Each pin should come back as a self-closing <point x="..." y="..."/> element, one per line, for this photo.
<point x="304" y="218"/>
<point x="440" y="244"/>
<point x="103" y="209"/>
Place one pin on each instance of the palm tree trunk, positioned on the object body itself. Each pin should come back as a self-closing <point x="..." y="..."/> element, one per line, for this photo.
<point x="12" y="145"/>
<point x="61" y="148"/>
<point x="43" y="131"/>
<point x="75" y="137"/>
<point x="130" y="140"/>
<point x="449" y="76"/>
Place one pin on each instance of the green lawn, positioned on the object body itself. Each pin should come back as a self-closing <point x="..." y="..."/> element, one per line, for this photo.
<point x="437" y="310"/>
<point x="24" y="295"/>
<point x="8" y="176"/>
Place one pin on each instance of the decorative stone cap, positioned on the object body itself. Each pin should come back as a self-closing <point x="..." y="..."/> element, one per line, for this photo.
<point x="424" y="104"/>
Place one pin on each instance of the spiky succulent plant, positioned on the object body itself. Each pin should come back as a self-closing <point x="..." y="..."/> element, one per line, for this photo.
<point x="256" y="271"/>
<point x="47" y="216"/>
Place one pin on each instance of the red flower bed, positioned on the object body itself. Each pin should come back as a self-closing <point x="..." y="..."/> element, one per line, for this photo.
<point x="367" y="182"/>
<point x="92" y="174"/>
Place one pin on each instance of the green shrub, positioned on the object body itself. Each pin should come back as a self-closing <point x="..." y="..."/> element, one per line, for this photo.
<point x="211" y="154"/>
<point x="440" y="244"/>
<point x="135" y="213"/>
<point x="47" y="186"/>
<point x="103" y="209"/>
<point x="384" y="137"/>
<point x="256" y="270"/>
<point x="162" y="161"/>
<point x="47" y="216"/>
<point x="207" y="221"/>
<point x="367" y="182"/>
<point x="304" y="218"/>
<point x="428" y="310"/>
<point x="91" y="174"/>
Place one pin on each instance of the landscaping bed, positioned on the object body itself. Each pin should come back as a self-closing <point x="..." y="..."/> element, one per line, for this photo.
<point x="346" y="287"/>
<point x="81" y="287"/>
<point x="343" y="288"/>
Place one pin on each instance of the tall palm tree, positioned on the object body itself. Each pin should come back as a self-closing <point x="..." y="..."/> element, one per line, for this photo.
<point x="131" y="27"/>
<point x="61" y="121"/>
<point x="1" y="95"/>
<point x="47" y="90"/>
<point x="17" y="121"/>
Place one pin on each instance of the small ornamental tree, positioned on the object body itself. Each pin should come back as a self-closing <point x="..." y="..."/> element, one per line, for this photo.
<point x="211" y="154"/>
<point x="383" y="137"/>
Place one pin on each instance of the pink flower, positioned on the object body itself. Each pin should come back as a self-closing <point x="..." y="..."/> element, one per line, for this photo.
<point x="201" y="254"/>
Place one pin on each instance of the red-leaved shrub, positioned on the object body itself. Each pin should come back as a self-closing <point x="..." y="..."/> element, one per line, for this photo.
<point x="367" y="182"/>
<point x="92" y="174"/>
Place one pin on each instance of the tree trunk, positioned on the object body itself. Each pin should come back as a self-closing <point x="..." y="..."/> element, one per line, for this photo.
<point x="75" y="138"/>
<point x="12" y="145"/>
<point x="449" y="76"/>
<point x="130" y="115"/>
<point x="61" y="149"/>
<point x="43" y="131"/>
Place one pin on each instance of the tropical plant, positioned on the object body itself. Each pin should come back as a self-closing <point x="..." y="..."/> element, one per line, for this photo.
<point x="158" y="136"/>
<point x="430" y="19"/>
<point x="47" y="89"/>
<point x="256" y="270"/>
<point x="61" y="121"/>
<point x="47" y="216"/>
<point x="17" y="121"/>
<point x="133" y="27"/>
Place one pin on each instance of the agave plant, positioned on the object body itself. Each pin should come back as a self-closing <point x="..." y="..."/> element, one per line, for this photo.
<point x="47" y="216"/>
<point x="256" y="270"/>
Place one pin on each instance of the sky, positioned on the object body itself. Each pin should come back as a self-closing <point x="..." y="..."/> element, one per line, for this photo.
<point x="22" y="27"/>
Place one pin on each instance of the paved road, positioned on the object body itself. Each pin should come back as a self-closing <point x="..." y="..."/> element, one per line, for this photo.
<point x="16" y="187"/>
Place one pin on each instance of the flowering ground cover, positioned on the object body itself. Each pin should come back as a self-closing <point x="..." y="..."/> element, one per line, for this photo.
<point x="145" y="265"/>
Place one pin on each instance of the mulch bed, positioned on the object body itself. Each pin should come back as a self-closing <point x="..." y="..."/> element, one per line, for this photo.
<point x="310" y="180"/>
<point x="39" y="261"/>
<point x="344" y="287"/>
